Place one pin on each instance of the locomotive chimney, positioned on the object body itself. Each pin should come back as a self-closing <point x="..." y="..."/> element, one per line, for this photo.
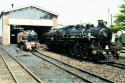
<point x="100" y="23"/>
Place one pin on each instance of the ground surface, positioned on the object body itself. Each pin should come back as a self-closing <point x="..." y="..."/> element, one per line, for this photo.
<point x="49" y="73"/>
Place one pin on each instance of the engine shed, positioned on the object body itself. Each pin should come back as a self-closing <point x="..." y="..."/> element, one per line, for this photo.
<point x="30" y="17"/>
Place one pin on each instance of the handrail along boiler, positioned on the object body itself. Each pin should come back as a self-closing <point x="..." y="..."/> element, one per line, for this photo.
<point x="88" y="42"/>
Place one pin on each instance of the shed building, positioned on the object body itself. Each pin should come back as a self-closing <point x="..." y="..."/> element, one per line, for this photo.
<point x="26" y="18"/>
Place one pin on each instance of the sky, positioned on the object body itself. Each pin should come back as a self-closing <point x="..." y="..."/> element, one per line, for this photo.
<point x="72" y="11"/>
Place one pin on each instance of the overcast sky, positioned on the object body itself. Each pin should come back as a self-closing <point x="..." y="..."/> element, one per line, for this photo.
<point x="72" y="11"/>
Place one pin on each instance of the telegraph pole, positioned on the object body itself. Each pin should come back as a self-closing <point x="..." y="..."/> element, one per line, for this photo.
<point x="108" y="17"/>
<point x="111" y="19"/>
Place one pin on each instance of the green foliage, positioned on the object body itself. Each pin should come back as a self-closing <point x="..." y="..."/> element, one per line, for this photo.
<point x="122" y="8"/>
<point x="120" y="18"/>
<point x="115" y="28"/>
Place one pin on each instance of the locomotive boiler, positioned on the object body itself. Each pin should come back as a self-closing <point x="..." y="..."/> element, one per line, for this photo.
<point x="27" y="40"/>
<point x="88" y="42"/>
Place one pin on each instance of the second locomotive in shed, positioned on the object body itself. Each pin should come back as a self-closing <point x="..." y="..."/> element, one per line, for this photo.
<point x="27" y="40"/>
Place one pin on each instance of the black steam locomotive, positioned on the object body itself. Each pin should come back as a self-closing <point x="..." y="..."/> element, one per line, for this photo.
<point x="88" y="42"/>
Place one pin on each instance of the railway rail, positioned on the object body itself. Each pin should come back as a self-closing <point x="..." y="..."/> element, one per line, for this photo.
<point x="19" y="73"/>
<point x="117" y="65"/>
<point x="4" y="73"/>
<point x="84" y="75"/>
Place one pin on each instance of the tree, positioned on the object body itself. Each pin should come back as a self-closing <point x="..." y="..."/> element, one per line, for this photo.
<point x="120" y="19"/>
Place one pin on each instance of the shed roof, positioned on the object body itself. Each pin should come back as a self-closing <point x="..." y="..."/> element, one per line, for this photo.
<point x="39" y="7"/>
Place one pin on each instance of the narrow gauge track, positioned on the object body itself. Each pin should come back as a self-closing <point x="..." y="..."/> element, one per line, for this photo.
<point x="84" y="75"/>
<point x="20" y="74"/>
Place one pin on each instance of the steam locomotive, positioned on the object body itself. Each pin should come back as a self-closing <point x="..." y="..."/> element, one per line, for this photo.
<point x="87" y="42"/>
<point x="27" y="40"/>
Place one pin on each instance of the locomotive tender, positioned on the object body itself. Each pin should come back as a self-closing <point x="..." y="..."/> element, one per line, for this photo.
<point x="27" y="40"/>
<point x="88" y="42"/>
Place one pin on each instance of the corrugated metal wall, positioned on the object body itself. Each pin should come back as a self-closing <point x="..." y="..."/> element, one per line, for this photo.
<point x="30" y="13"/>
